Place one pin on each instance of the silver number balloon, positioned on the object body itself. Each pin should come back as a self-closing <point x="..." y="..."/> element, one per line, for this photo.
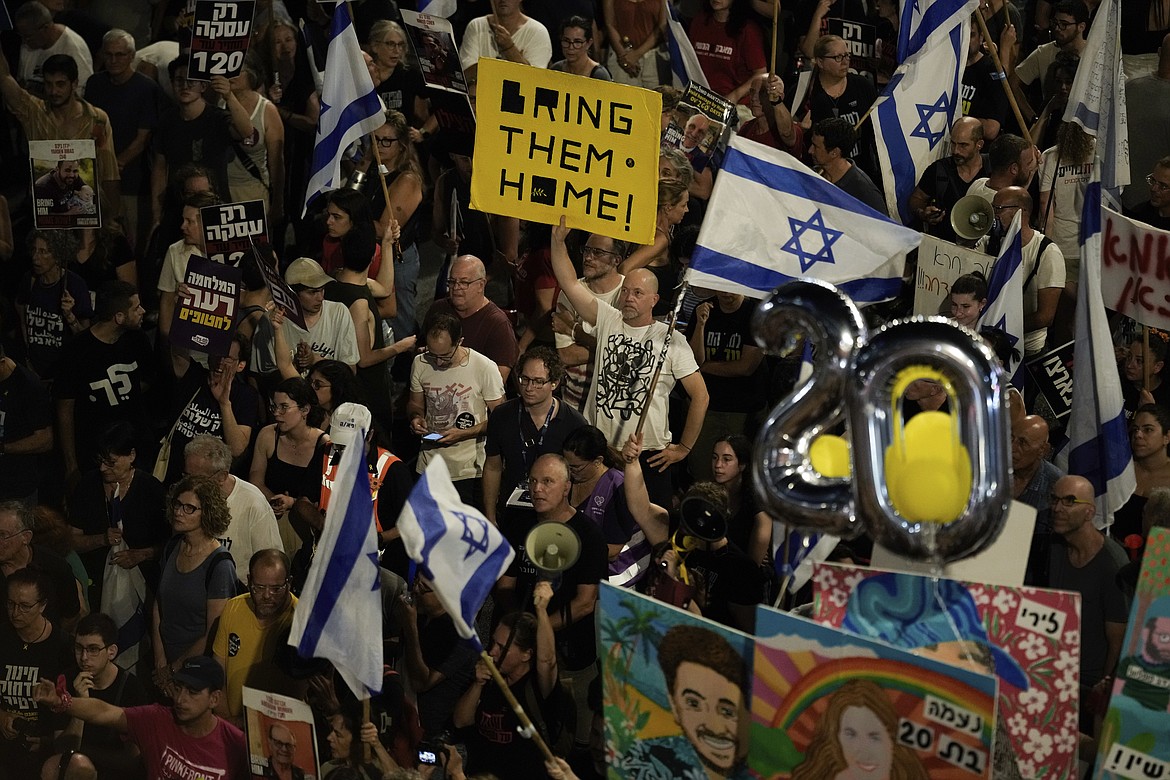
<point x="974" y="381"/>
<point x="787" y="485"/>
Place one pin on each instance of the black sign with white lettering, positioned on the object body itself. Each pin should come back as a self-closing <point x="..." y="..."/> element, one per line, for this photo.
<point x="220" y="34"/>
<point x="228" y="230"/>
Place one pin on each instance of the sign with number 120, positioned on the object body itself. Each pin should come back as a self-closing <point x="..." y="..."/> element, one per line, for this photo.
<point x="220" y="34"/>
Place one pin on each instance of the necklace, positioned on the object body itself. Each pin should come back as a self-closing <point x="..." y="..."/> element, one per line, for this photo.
<point x="44" y="630"/>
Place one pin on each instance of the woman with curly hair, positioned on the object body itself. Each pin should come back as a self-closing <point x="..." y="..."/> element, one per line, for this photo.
<point x="857" y="738"/>
<point x="198" y="575"/>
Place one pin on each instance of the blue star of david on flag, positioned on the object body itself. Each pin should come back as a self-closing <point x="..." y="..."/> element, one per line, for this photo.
<point x="814" y="224"/>
<point x="926" y="114"/>
<point x="1002" y="325"/>
<point x="476" y="543"/>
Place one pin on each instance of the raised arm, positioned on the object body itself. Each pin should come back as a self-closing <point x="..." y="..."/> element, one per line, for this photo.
<point x="577" y="293"/>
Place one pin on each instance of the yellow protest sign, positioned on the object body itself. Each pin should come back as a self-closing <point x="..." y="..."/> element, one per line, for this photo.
<point x="550" y="143"/>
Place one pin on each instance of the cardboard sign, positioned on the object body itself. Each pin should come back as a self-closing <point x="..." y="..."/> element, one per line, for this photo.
<point x="205" y="317"/>
<point x="65" y="184"/>
<point x="701" y="141"/>
<point x="1135" y="269"/>
<point x="228" y="229"/>
<point x="270" y="718"/>
<point x="220" y="36"/>
<point x="812" y="686"/>
<point x="282" y="295"/>
<point x="940" y="263"/>
<point x="433" y="41"/>
<point x="1031" y="638"/>
<point x="636" y="637"/>
<point x="1135" y="736"/>
<point x="551" y="144"/>
<point x="861" y="38"/>
<point x="1052" y="375"/>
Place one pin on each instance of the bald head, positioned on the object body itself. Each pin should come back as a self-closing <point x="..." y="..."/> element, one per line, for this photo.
<point x="469" y="265"/>
<point x="466" y="285"/>
<point x="966" y="141"/>
<point x="1013" y="199"/>
<point x="967" y="127"/>
<point x="1077" y="486"/>
<point x="638" y="295"/>
<point x="1029" y="443"/>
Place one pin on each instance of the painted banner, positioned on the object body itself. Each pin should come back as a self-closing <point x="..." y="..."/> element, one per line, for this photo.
<point x="826" y="703"/>
<point x="65" y="184"/>
<point x="939" y="264"/>
<point x="282" y="295"/>
<point x="433" y="41"/>
<point x="228" y="230"/>
<point x="281" y="739"/>
<point x="1051" y="374"/>
<point x="657" y="662"/>
<point x="551" y="144"/>
<point x="1135" y="269"/>
<point x="220" y="35"/>
<point x="1135" y="736"/>
<point x="205" y="316"/>
<point x="1029" y="637"/>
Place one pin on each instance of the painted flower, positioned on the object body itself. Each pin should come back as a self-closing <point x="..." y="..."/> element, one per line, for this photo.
<point x="839" y="597"/>
<point x="1027" y="768"/>
<point x="1065" y="660"/>
<point x="1039" y="744"/>
<point x="1066" y="740"/>
<point x="1034" y="701"/>
<point x="1066" y="686"/>
<point x="1072" y="638"/>
<point x="979" y="595"/>
<point x="1033" y="646"/>
<point x="1005" y="601"/>
<point x="1017" y="725"/>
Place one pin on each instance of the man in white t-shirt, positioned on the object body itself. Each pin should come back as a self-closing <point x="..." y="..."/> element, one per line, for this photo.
<point x="331" y="334"/>
<point x="600" y="258"/>
<point x="253" y="526"/>
<point x="506" y="35"/>
<point x="629" y="348"/>
<point x="1070" y="20"/>
<point x="41" y="38"/>
<point x="1043" y="267"/>
<point x="453" y="389"/>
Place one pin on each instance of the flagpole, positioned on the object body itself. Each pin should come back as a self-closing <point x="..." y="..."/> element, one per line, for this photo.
<point x="775" y="24"/>
<point x="1146" y="362"/>
<point x="385" y="194"/>
<point x="682" y="291"/>
<point x="991" y="46"/>
<point x="527" y="729"/>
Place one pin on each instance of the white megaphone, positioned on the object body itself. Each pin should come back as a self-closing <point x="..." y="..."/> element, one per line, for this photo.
<point x="972" y="217"/>
<point x="552" y="547"/>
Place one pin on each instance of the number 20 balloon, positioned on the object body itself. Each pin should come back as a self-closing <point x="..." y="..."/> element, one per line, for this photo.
<point x="936" y="488"/>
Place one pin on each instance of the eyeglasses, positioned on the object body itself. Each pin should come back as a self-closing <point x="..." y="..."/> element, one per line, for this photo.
<point x="997" y="209"/>
<point x="84" y="650"/>
<point x="1068" y="501"/>
<point x="435" y="359"/>
<point x="184" y="508"/>
<point x="24" y="609"/>
<point x="317" y="384"/>
<point x="281" y="408"/>
<point x="837" y="57"/>
<point x="1156" y="185"/>
<point x="273" y="590"/>
<point x="590" y="251"/>
<point x="6" y="537"/>
<point x="279" y="744"/>
<point x="392" y="44"/>
<point x="108" y="463"/>
<point x="1061" y="24"/>
<point x="531" y="380"/>
<point x="386" y="143"/>
<point x="462" y="284"/>
<point x="573" y="43"/>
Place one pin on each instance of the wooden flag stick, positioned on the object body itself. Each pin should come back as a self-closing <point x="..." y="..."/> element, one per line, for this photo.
<point x="682" y="291"/>
<point x="775" y="27"/>
<point x="991" y="46"/>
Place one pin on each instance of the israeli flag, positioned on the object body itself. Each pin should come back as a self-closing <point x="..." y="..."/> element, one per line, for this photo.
<point x="339" y="615"/>
<point x="925" y="20"/>
<point x="1097" y="99"/>
<point x="456" y="547"/>
<point x="350" y="108"/>
<point x="1005" y="293"/>
<point x="1098" y="437"/>
<point x="443" y="8"/>
<point x="772" y="219"/>
<point x="684" y="63"/>
<point x="913" y="117"/>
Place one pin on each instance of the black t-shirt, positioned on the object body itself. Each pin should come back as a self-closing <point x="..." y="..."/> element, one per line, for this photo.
<point x="576" y="642"/>
<point x="399" y="91"/>
<point x="22" y="665"/>
<point x="131" y="106"/>
<point x="728" y="576"/>
<point x="197" y="412"/>
<point x="983" y="95"/>
<point x="206" y="139"/>
<point x="104" y="745"/>
<point x="493" y="743"/>
<point x="62" y="596"/>
<point x="726" y="336"/>
<point x="24" y="410"/>
<point x="1145" y="212"/>
<point x="942" y="183"/>
<point x="107" y="382"/>
<point x="513" y="435"/>
<point x="857" y="183"/>
<point x="858" y="96"/>
<point x="448" y="653"/>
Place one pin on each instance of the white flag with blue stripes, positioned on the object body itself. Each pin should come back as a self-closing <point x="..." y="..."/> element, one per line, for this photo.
<point x="772" y="219"/>
<point x="1098" y="445"/>
<point x="924" y="21"/>
<point x="1005" y="293"/>
<point x="684" y="63"/>
<point x="913" y="117"/>
<point x="455" y="546"/>
<point x="1097" y="99"/>
<point x="350" y="108"/>
<point x="443" y="8"/>
<point x="339" y="615"/>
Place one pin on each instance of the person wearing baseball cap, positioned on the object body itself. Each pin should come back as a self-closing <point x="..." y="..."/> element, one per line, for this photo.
<point x="329" y="330"/>
<point x="191" y="741"/>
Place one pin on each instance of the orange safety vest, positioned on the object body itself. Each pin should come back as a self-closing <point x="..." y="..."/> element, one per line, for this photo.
<point x="377" y="470"/>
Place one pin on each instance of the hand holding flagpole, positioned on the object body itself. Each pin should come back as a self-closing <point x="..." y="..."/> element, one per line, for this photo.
<point x="682" y="291"/>
<point x="1003" y="81"/>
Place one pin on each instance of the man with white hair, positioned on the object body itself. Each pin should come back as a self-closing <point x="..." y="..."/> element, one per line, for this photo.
<point x="41" y="38"/>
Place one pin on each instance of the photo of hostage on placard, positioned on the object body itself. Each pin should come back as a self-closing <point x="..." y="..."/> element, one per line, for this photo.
<point x="281" y="740"/>
<point x="64" y="176"/>
<point x="676" y="692"/>
<point x="433" y="42"/>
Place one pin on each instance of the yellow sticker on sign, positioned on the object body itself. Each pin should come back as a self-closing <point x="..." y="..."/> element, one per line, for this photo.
<point x="549" y="144"/>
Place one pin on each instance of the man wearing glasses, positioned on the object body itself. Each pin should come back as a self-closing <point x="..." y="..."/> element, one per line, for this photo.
<point x="518" y="432"/>
<point x="98" y="677"/>
<point x="486" y="327"/>
<point x="1086" y="561"/>
<point x="1070" y="19"/>
<point x="250" y="631"/>
<point x="1156" y="210"/>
